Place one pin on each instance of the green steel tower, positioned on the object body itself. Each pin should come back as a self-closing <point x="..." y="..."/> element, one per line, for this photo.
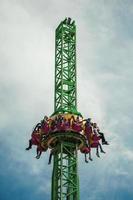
<point x="65" y="68"/>
<point x="65" y="180"/>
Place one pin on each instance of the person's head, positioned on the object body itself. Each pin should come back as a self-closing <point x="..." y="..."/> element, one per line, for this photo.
<point x="95" y="125"/>
<point x="77" y="119"/>
<point x="39" y="130"/>
<point x="59" y="116"/>
<point x="88" y="121"/>
<point x="56" y="118"/>
<point x="45" y="118"/>
<point x="72" y="117"/>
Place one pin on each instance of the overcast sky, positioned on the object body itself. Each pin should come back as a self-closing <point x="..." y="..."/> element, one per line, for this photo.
<point x="105" y="92"/>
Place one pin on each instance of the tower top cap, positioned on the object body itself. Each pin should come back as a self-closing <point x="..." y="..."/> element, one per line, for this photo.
<point x="68" y="21"/>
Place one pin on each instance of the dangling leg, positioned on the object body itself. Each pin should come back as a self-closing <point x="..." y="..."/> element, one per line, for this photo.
<point x="90" y="158"/>
<point x="97" y="152"/>
<point x="103" y="139"/>
<point x="30" y="145"/>
<point x="86" y="158"/>
<point x="38" y="153"/>
<point x="50" y="157"/>
<point x="88" y="144"/>
<point x="101" y="149"/>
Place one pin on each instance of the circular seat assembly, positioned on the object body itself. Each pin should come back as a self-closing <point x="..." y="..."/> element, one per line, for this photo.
<point x="53" y="138"/>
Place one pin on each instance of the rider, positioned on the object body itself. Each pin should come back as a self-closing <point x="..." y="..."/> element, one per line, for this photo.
<point x="76" y="124"/>
<point x="86" y="150"/>
<point x="95" y="138"/>
<point x="35" y="136"/>
<point x="88" y="133"/>
<point x="45" y="125"/>
<point x="88" y="129"/>
<point x="100" y="134"/>
<point x="35" y="140"/>
<point x="60" y="123"/>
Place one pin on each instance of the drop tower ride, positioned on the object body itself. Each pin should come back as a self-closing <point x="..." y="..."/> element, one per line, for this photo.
<point x="61" y="132"/>
<point x="65" y="179"/>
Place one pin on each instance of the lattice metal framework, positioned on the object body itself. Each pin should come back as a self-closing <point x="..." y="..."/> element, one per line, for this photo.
<point x="65" y="185"/>
<point x="65" y="68"/>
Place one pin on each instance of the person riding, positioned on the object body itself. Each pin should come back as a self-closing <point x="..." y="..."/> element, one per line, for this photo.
<point x="60" y="123"/>
<point x="45" y="125"/>
<point x="35" y="136"/>
<point x="88" y="134"/>
<point x="95" y="140"/>
<point x="100" y="134"/>
<point x="88" y="129"/>
<point x="36" y="140"/>
<point x="76" y="124"/>
<point x="86" y="150"/>
<point x="50" y="123"/>
<point x="92" y="137"/>
<point x="40" y="149"/>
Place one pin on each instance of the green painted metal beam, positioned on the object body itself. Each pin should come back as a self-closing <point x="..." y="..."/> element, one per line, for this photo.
<point x="65" y="69"/>
<point x="65" y="181"/>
